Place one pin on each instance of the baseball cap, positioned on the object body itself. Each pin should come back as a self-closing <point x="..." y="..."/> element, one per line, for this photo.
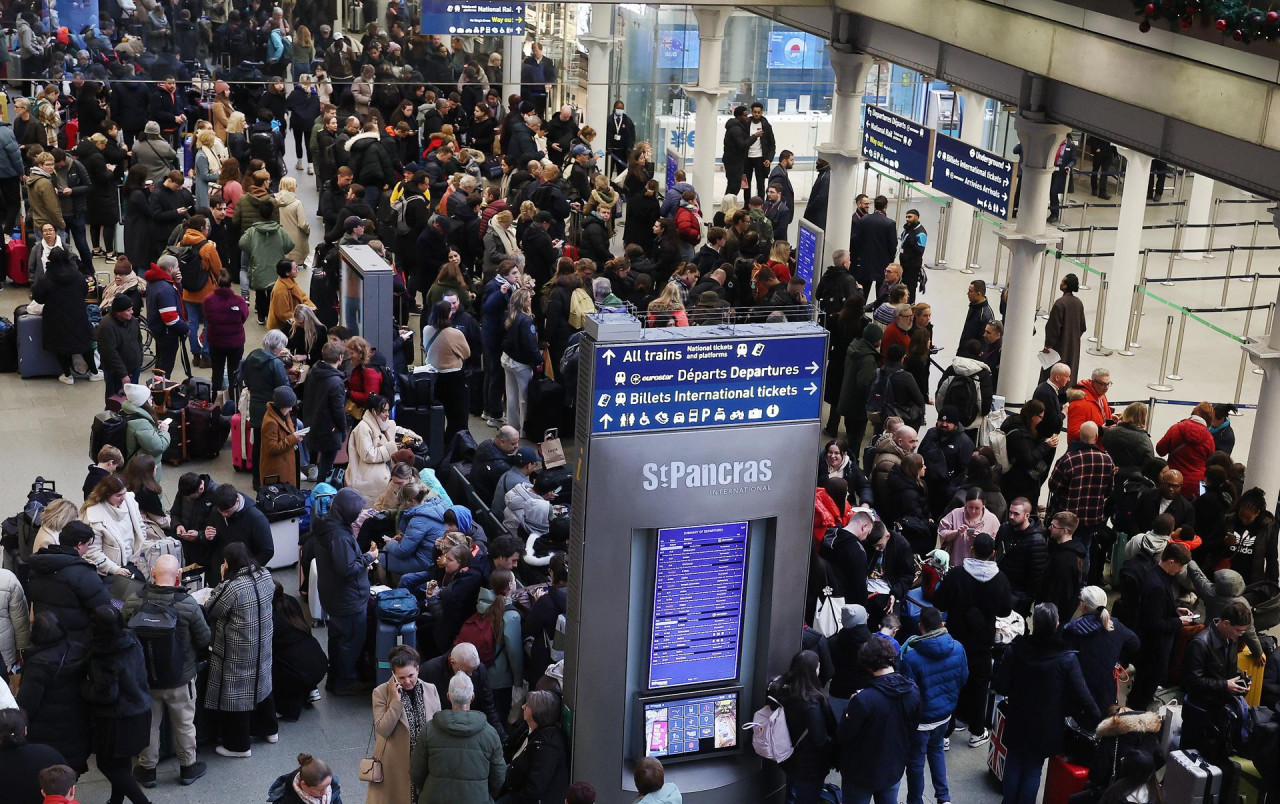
<point x="579" y="150"/>
<point x="352" y="223"/>
<point x="525" y="456"/>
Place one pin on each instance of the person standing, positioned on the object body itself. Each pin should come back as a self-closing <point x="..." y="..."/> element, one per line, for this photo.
<point x="1102" y="153"/>
<point x="1158" y="619"/>
<point x="1082" y="482"/>
<point x="446" y="350"/>
<point x="166" y="316"/>
<point x="936" y="662"/>
<point x="911" y="253"/>
<point x="1023" y="552"/>
<point x="974" y="595"/>
<point x="873" y="241"/>
<point x="195" y="291"/>
<point x="64" y="325"/>
<point x="401" y="708"/>
<point x="64" y="584"/>
<point x="878" y="728"/>
<point x="459" y="754"/>
<point x="323" y="408"/>
<point x="1214" y="683"/>
<point x="119" y="699"/>
<point x="761" y="149"/>
<point x="1044" y="685"/>
<point x="738" y="141"/>
<point x="239" y="687"/>
<point x="343" y="578"/>
<point x="1064" y="572"/>
<point x="978" y="315"/>
<point x="620" y="138"/>
<point x="192" y="633"/>
<point x="225" y="312"/>
<point x="1066" y="326"/>
<point x="807" y="712"/>
<point x="1188" y="444"/>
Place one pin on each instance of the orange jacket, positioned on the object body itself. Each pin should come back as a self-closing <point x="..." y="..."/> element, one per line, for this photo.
<point x="827" y="515"/>
<point x="1091" y="407"/>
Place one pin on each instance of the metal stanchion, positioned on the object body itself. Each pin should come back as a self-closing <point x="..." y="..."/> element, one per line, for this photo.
<point x="1040" y="312"/>
<point x="995" y="277"/>
<point x="1129" y="333"/>
<point x="1213" y="225"/>
<point x="1177" y="352"/>
<point x="1084" y="211"/>
<point x="977" y="241"/>
<point x="1151" y="412"/>
<point x="878" y="178"/>
<point x="1271" y="319"/>
<point x="1099" y="322"/>
<point x="940" y="256"/>
<point x="1160" y="384"/>
<point x="1142" y="305"/>
<point x="1057" y="266"/>
<point x="1248" y="323"/>
<point x="1084" y="276"/>
<point x="866" y="174"/>
<point x="971" y="258"/>
<point x="1226" y="279"/>
<point x="1173" y="253"/>
<point x="1248" y="266"/>
<point x="1244" y="360"/>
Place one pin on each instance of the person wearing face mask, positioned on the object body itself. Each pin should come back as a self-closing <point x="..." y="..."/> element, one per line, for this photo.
<point x="401" y="707"/>
<point x="620" y="138"/>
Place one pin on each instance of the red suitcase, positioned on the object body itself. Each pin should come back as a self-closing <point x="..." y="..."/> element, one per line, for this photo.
<point x="1063" y="781"/>
<point x="241" y="444"/>
<point x="16" y="255"/>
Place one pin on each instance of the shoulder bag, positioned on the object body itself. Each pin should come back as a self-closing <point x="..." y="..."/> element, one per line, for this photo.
<point x="370" y="768"/>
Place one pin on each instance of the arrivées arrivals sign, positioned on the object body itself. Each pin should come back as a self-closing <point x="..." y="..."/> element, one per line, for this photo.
<point x="490" y="18"/>
<point x="973" y="175"/>
<point x="683" y="384"/>
<point x="896" y="142"/>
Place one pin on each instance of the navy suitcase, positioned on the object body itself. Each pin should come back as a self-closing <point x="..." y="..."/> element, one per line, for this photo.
<point x="33" y="359"/>
<point x="390" y="635"/>
<point x="8" y="346"/>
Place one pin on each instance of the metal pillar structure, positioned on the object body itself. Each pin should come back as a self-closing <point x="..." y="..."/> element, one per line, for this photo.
<point x="600" y="41"/>
<point x="1026" y="243"/>
<point x="512" y="58"/>
<point x="1264" y="461"/>
<point x="960" y="216"/>
<point x="1199" y="205"/>
<point x="706" y="94"/>
<point x="1123" y="273"/>
<point x="844" y="152"/>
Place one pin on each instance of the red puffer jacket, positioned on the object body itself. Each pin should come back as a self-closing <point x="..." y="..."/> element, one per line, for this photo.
<point x="1187" y="444"/>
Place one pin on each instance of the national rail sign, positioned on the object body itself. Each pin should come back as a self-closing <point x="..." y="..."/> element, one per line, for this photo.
<point x="896" y="142"/>
<point x="677" y="385"/>
<point x="488" y="18"/>
<point x="972" y="175"/>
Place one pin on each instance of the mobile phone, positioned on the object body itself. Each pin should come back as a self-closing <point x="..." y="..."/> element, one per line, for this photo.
<point x="302" y="431"/>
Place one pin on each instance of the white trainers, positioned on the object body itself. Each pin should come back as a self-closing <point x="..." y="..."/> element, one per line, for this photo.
<point x="314" y="696"/>
<point x="298" y="166"/>
<point x="311" y="171"/>
<point x="946" y="743"/>
<point x="66" y="379"/>
<point x="224" y="752"/>
<point x="95" y="376"/>
<point x="979" y="738"/>
<point x="273" y="738"/>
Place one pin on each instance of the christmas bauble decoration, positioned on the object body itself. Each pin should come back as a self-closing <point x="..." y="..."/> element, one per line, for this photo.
<point x="1221" y="25"/>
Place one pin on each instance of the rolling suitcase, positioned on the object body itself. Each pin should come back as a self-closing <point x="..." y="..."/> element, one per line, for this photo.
<point x="8" y="346"/>
<point x="997" y="751"/>
<point x="1252" y="667"/>
<point x="241" y="444"/>
<point x="390" y="635"/>
<point x="285" y="529"/>
<point x="207" y="430"/>
<point x="16" y="255"/>
<point x="545" y="408"/>
<point x="33" y="359"/>
<point x="1190" y="779"/>
<point x="1249" y="787"/>
<point x="1063" y="781"/>
<point x="177" y="453"/>
<point x="107" y="428"/>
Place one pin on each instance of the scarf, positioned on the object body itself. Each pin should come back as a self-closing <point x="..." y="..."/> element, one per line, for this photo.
<point x="415" y="712"/>
<point x="508" y="238"/>
<point x="115" y="288"/>
<point x="306" y="797"/>
<point x="215" y="161"/>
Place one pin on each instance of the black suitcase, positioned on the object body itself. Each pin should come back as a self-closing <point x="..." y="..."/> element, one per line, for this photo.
<point x="108" y="428"/>
<point x="545" y="408"/>
<point x="176" y="454"/>
<point x="8" y="346"/>
<point x="33" y="359"/>
<point x="563" y="477"/>
<point x="427" y="422"/>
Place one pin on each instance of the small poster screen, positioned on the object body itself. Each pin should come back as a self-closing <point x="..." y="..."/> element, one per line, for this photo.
<point x="698" y="725"/>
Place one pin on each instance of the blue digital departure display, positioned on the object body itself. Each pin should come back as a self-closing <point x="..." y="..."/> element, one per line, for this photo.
<point x="684" y="727"/>
<point x="699" y="585"/>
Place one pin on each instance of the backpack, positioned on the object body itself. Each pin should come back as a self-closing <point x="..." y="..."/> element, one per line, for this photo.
<point x="828" y="294"/>
<point x="194" y="275"/>
<point x="962" y="393"/>
<point x="156" y="626"/>
<point x="990" y="435"/>
<point x="477" y="630"/>
<point x="400" y="209"/>
<point x="770" y="737"/>
<point x="880" y="396"/>
<point x="395" y="606"/>
<point x="262" y="145"/>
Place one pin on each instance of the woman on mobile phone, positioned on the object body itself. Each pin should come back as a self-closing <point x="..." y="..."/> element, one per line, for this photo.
<point x="279" y="440"/>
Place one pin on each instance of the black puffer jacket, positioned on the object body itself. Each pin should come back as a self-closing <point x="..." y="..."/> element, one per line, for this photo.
<point x="50" y="695"/>
<point x="65" y="322"/>
<point x="64" y="584"/>
<point x="1024" y="554"/>
<point x="115" y="684"/>
<point x="1030" y="458"/>
<point x="1042" y="679"/>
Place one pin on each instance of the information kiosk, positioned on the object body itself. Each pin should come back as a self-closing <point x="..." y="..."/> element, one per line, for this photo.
<point x="691" y="533"/>
<point x="367" y="284"/>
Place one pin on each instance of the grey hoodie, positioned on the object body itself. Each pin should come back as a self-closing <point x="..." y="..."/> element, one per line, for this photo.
<point x="1227" y="588"/>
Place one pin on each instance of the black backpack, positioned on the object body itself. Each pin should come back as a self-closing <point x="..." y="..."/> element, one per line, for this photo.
<point x="962" y="393"/>
<point x="262" y="145"/>
<point x="156" y="626"/>
<point x="194" y="275"/>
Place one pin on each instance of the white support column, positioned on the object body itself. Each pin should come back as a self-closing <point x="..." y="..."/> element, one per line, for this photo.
<point x="512" y="57"/>
<point x="1264" y="461"/>
<point x="1199" y="204"/>
<point x="1026" y="242"/>
<point x="1123" y="274"/>
<point x="844" y="152"/>
<point x="960" y="215"/>
<point x="706" y="94"/>
<point x="599" y="40"/>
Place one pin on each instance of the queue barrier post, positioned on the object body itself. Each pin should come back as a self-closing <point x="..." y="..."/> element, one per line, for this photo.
<point x="1057" y="266"/>
<point x="1213" y="227"/>
<point x="975" y="241"/>
<point x="1099" y="322"/>
<point x="1160" y="384"/>
<point x="1248" y="266"/>
<point x="1129" y="333"/>
<point x="1271" y="319"/>
<point x="995" y="277"/>
<point x="940" y="257"/>
<point x="1174" y="252"/>
<point x="1040" y="311"/>
<point x="1177" y="352"/>
<point x="1084" y="278"/>
<point x="1226" y="279"/>
<point x="1084" y="212"/>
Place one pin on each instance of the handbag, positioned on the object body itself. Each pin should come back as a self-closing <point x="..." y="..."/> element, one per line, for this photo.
<point x="826" y="619"/>
<point x="370" y="768"/>
<point x="552" y="450"/>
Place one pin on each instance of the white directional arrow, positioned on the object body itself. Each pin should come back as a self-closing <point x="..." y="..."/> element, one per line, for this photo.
<point x="608" y="357"/>
<point x="813" y="367"/>
<point x="812" y="388"/>
<point x="605" y="419"/>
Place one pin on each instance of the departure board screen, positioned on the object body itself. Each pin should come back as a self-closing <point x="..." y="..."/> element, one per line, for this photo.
<point x="699" y="583"/>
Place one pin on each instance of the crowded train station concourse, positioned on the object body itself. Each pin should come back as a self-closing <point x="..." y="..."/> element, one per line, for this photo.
<point x="414" y="402"/>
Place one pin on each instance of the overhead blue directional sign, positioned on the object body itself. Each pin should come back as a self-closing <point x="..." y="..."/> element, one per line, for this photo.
<point x="489" y="18"/>
<point x="682" y="384"/>
<point x="973" y="175"/>
<point x="896" y="142"/>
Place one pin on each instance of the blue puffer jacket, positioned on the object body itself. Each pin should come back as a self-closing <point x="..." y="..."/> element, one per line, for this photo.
<point x="420" y="526"/>
<point x="937" y="663"/>
<point x="10" y="154"/>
